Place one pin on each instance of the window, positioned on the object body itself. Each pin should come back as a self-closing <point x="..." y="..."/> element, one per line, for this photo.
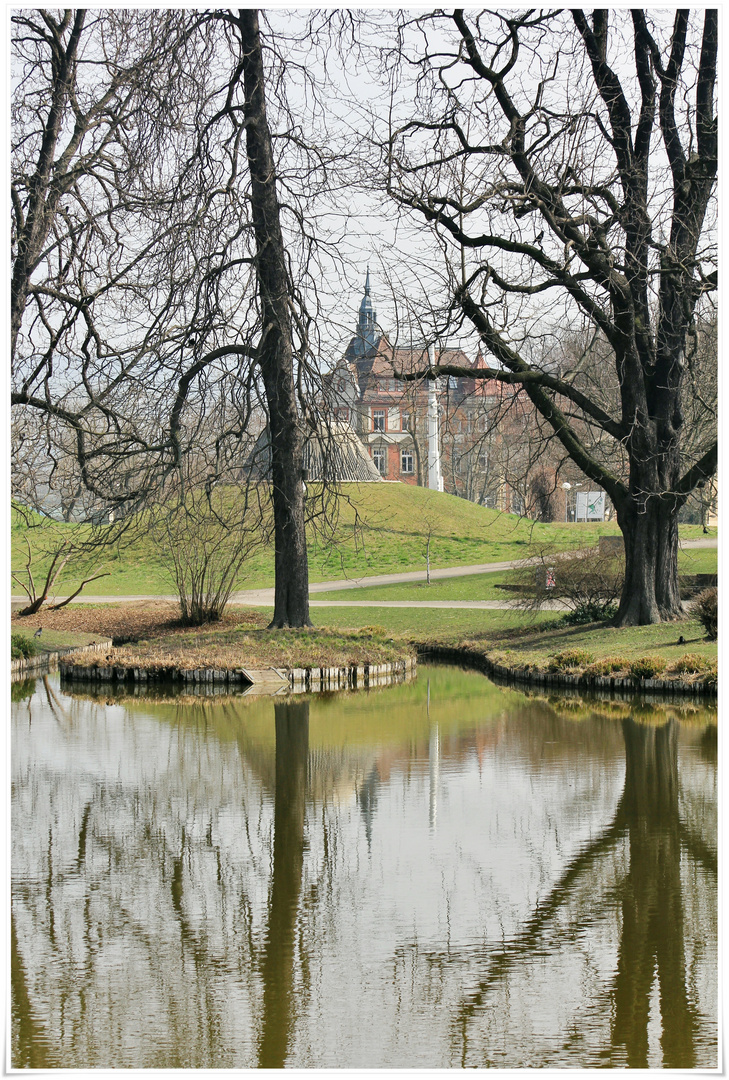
<point x="342" y="414"/>
<point x="378" y="419"/>
<point x="380" y="459"/>
<point x="406" y="461"/>
<point x="341" y="384"/>
<point x="405" y="421"/>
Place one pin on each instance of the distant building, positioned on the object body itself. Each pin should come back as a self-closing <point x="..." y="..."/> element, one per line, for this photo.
<point x="396" y="419"/>
<point x="483" y="444"/>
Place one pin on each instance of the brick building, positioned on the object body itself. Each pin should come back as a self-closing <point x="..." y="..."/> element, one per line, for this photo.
<point x="480" y="427"/>
<point x="485" y="431"/>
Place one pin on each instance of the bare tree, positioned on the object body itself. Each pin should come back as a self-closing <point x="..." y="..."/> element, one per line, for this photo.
<point x="276" y="346"/>
<point x="552" y="162"/>
<point x="156" y="294"/>
<point x="45" y="558"/>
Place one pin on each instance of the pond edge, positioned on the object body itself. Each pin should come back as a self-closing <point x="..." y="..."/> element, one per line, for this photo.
<point x="45" y="661"/>
<point x="560" y="680"/>
<point x="295" y="680"/>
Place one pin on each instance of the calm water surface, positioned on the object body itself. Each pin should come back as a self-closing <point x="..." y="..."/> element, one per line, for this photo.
<point x="440" y="874"/>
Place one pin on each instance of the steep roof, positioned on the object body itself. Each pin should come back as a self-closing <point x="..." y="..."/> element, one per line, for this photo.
<point x="333" y="453"/>
<point x="337" y="454"/>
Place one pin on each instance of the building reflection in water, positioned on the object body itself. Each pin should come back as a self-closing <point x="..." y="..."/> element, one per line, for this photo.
<point x="231" y="873"/>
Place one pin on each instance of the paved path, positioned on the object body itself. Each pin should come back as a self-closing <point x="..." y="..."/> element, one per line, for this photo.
<point x="264" y="597"/>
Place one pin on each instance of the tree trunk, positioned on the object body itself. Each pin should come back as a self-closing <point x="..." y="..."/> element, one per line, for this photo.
<point x="291" y="604"/>
<point x="651" y="592"/>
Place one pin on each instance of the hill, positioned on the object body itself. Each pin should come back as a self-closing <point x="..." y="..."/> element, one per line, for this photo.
<point x="381" y="528"/>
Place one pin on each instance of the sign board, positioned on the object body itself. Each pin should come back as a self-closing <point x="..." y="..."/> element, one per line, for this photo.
<point x="590" y="506"/>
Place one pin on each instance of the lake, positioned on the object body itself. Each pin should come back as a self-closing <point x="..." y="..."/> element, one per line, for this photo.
<point x="440" y="874"/>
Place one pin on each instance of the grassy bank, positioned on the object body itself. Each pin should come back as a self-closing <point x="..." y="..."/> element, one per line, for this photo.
<point x="52" y="640"/>
<point x="227" y="649"/>
<point x="341" y="638"/>
<point x="518" y="640"/>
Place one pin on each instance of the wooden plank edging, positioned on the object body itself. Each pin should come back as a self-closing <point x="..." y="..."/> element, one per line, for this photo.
<point x="46" y="660"/>
<point x="296" y="680"/>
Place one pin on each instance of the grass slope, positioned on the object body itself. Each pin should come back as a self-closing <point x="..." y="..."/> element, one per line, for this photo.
<point x="380" y="530"/>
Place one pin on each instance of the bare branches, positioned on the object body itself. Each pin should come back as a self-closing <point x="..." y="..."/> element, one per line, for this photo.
<point x="535" y="161"/>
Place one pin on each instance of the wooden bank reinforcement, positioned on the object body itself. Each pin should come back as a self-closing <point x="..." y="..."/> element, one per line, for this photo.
<point x="51" y="659"/>
<point x="267" y="680"/>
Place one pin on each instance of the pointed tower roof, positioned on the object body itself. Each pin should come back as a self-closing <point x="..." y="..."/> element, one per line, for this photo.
<point x="365" y="340"/>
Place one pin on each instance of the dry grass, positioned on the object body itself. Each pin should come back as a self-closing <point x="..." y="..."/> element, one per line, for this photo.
<point x="128" y="621"/>
<point x="230" y="648"/>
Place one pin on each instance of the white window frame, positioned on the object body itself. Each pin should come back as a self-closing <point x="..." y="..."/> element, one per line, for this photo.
<point x="379" y="454"/>
<point x="377" y="415"/>
<point x="403" y="455"/>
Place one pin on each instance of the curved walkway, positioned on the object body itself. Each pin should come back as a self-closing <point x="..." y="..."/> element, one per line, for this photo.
<point x="265" y="597"/>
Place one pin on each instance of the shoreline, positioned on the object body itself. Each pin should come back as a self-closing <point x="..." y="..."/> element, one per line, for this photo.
<point x="313" y="678"/>
<point x="605" y="684"/>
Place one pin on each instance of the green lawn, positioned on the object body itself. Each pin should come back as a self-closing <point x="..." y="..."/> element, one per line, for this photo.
<point x="519" y="639"/>
<point x="50" y="640"/>
<point x="380" y="530"/>
<point x="485" y="586"/>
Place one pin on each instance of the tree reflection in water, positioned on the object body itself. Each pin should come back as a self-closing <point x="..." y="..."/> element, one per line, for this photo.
<point x="651" y="944"/>
<point x="292" y="757"/>
<point x="182" y="880"/>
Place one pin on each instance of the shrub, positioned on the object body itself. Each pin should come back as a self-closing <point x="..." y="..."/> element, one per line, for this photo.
<point x="571" y="658"/>
<point x="692" y="664"/>
<point x="606" y="665"/>
<point x="372" y="631"/>
<point x="647" y="667"/>
<point x="590" y="612"/>
<point x="589" y="583"/>
<point x="205" y="535"/>
<point x="706" y="609"/>
<point x="22" y="647"/>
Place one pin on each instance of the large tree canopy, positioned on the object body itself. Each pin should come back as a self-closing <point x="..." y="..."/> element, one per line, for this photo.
<point x="162" y="248"/>
<point x="566" y="163"/>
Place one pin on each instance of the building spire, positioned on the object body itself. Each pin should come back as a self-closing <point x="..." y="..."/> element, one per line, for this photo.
<point x="367" y="316"/>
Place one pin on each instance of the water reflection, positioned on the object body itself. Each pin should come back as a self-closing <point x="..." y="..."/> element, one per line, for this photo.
<point x="292" y="758"/>
<point x="651" y="943"/>
<point x="393" y="879"/>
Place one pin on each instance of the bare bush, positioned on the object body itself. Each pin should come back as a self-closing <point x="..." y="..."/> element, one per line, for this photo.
<point x="48" y="551"/>
<point x="205" y="539"/>
<point x="588" y="583"/>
